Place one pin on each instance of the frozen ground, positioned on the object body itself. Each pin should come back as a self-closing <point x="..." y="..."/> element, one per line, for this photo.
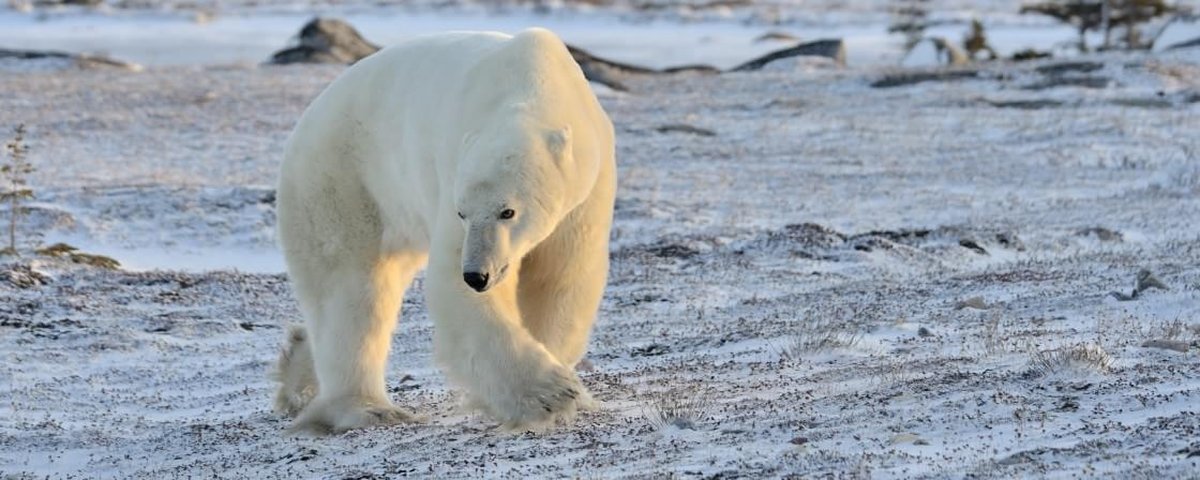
<point x="820" y="279"/>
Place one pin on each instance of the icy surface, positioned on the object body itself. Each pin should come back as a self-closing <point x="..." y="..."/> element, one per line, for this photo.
<point x="842" y="281"/>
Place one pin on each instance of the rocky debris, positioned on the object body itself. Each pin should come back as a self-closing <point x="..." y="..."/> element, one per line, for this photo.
<point x="912" y="78"/>
<point x="833" y="49"/>
<point x="776" y="37"/>
<point x="975" y="302"/>
<point x="972" y="245"/>
<point x="1080" y="82"/>
<point x="651" y="350"/>
<point x="1069" y="67"/>
<point x="1101" y="233"/>
<point x="1026" y="104"/>
<point x="1167" y="344"/>
<point x="1030" y="54"/>
<point x="326" y="40"/>
<point x="1145" y="281"/>
<point x="673" y="251"/>
<point x="685" y="128"/>
<point x="613" y="74"/>
<point x="30" y="5"/>
<point x="329" y="40"/>
<point x="908" y="438"/>
<point x="806" y="236"/>
<point x="1195" y="42"/>
<point x="78" y="60"/>
<point x="813" y="241"/>
<point x="22" y="275"/>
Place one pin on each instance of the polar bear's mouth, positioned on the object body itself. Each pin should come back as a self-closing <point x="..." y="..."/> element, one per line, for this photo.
<point x="497" y="278"/>
<point x="500" y="275"/>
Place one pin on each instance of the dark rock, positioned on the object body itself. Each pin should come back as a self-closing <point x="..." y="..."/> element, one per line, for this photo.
<point x="775" y="36"/>
<point x="1026" y="104"/>
<point x="1030" y="54"/>
<point x="973" y="245"/>
<point x="1101" y="233"/>
<point x="1195" y="42"/>
<point x="1069" y="67"/>
<point x="673" y="251"/>
<point x="685" y="128"/>
<point x="612" y="73"/>
<point x="32" y="54"/>
<point x="898" y="236"/>
<point x="651" y="350"/>
<point x="1143" y="102"/>
<point x="833" y="49"/>
<point x="1167" y="344"/>
<point x="24" y="276"/>
<point x="1146" y="280"/>
<point x="326" y="40"/>
<point x="913" y="78"/>
<point x="80" y="60"/>
<point x="1081" y="82"/>
<point x="1011" y="241"/>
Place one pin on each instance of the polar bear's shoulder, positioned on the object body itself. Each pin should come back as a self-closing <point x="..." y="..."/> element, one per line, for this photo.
<point x="537" y="39"/>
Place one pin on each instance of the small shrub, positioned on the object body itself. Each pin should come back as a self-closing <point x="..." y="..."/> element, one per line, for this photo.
<point x="17" y="191"/>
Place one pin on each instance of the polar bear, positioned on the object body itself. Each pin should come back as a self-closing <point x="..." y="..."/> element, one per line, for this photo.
<point x="485" y="157"/>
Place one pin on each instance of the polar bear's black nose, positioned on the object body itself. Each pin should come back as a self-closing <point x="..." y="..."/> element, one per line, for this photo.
<point x="476" y="280"/>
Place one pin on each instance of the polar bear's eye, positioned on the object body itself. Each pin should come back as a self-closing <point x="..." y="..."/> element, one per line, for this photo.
<point x="460" y="215"/>
<point x="507" y="214"/>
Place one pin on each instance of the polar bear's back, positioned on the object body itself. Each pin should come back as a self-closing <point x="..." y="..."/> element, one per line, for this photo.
<point x="395" y="121"/>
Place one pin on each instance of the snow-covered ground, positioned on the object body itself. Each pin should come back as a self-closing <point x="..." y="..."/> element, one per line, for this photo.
<point x="822" y="278"/>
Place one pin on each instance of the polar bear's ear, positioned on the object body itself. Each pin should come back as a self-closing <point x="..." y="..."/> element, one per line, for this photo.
<point x="558" y="141"/>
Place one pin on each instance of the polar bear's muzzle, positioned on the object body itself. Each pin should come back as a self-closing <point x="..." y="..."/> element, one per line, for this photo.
<point x="481" y="281"/>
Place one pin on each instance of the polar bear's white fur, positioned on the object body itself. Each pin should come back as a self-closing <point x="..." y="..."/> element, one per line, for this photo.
<point x="485" y="156"/>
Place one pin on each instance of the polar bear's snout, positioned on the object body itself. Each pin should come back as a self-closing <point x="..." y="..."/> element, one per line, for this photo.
<point x="476" y="280"/>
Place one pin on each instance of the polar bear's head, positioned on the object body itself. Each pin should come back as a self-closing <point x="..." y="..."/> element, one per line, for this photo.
<point x="515" y="184"/>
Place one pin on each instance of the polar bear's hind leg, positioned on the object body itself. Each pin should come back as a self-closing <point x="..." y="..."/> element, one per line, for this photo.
<point x="294" y="372"/>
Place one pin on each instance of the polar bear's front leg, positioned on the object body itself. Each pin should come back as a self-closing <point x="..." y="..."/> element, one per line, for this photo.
<point x="480" y="342"/>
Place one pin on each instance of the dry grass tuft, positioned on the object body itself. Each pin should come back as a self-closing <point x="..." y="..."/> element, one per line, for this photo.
<point x="818" y="336"/>
<point x="685" y="410"/>
<point x="1082" y="358"/>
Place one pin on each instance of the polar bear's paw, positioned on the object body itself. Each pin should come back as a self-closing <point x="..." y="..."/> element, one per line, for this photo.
<point x="339" y="415"/>
<point x="543" y="401"/>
